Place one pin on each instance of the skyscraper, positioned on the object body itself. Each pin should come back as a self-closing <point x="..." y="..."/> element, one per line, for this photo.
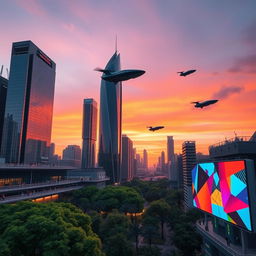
<point x="127" y="159"/>
<point x="188" y="162"/>
<point x="3" y="92"/>
<point x="89" y="133"/>
<point x="162" y="161"/>
<point x="29" y="105"/>
<point x="111" y="123"/>
<point x="170" y="148"/>
<point x="71" y="152"/>
<point x="145" y="159"/>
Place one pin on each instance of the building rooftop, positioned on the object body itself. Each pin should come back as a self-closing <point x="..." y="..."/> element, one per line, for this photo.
<point x="234" y="146"/>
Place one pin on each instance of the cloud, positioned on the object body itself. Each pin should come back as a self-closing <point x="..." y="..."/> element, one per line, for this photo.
<point x="249" y="35"/>
<point x="246" y="64"/>
<point x="227" y="91"/>
<point x="34" y="7"/>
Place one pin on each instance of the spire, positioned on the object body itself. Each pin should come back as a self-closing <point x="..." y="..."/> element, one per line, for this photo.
<point x="116" y="44"/>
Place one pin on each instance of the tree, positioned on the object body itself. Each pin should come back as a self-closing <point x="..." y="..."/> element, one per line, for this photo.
<point x="114" y="232"/>
<point x="186" y="239"/>
<point x="150" y="228"/>
<point x="147" y="251"/>
<point x="161" y="210"/>
<point x="135" y="230"/>
<point x="84" y="198"/>
<point x="32" y="229"/>
<point x="175" y="198"/>
<point x="125" y="199"/>
<point x="114" y="223"/>
<point x="117" y="245"/>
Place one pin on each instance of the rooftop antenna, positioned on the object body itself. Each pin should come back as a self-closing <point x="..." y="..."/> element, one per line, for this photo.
<point x="7" y="71"/>
<point x="1" y="72"/>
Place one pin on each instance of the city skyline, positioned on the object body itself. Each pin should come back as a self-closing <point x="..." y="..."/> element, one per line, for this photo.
<point x="226" y="67"/>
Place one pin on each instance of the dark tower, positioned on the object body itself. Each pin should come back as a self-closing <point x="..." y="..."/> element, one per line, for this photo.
<point x="3" y="92"/>
<point x="89" y="133"/>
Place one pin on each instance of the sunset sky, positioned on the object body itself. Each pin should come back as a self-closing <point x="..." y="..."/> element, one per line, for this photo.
<point x="218" y="38"/>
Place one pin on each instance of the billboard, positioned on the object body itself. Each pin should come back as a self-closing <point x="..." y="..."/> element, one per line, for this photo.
<point x="221" y="189"/>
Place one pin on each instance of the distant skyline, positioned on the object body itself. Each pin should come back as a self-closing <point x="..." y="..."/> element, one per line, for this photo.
<point x="162" y="37"/>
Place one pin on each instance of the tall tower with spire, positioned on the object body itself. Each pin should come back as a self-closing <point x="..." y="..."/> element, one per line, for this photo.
<point x="110" y="130"/>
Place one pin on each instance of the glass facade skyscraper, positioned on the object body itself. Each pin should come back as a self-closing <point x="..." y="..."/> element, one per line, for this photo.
<point x="89" y="133"/>
<point x="3" y="91"/>
<point x="111" y="123"/>
<point x="29" y="105"/>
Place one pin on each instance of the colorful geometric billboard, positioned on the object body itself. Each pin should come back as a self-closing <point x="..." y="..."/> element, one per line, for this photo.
<point x="221" y="189"/>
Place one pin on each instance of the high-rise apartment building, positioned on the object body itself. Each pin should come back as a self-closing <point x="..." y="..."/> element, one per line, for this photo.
<point x="29" y="105"/>
<point x="3" y="92"/>
<point x="127" y="166"/>
<point x="111" y="123"/>
<point x="90" y="111"/>
<point x="145" y="159"/>
<point x="188" y="163"/>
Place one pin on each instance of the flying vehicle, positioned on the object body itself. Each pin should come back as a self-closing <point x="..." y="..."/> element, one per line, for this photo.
<point x="118" y="76"/>
<point x="204" y="103"/>
<point x="186" y="73"/>
<point x="152" y="129"/>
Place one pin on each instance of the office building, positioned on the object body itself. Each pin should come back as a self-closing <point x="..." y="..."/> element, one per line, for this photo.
<point x="188" y="163"/>
<point x="71" y="152"/>
<point x="29" y="105"/>
<point x="71" y="156"/>
<point x="110" y="129"/>
<point x="3" y="92"/>
<point x="220" y="237"/>
<point x="163" y="161"/>
<point x="89" y="133"/>
<point x="135" y="163"/>
<point x="170" y="148"/>
<point x="127" y="166"/>
<point x="138" y="160"/>
<point x="145" y="159"/>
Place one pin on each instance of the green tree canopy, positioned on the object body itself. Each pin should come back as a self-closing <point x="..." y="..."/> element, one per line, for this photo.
<point x="186" y="239"/>
<point x="31" y="229"/>
<point x="114" y="232"/>
<point x="160" y="210"/>
<point x="84" y="198"/>
<point x="125" y="199"/>
<point x="151" y="190"/>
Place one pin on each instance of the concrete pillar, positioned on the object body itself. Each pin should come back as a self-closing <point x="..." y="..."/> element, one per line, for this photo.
<point x="244" y="242"/>
<point x="206" y="222"/>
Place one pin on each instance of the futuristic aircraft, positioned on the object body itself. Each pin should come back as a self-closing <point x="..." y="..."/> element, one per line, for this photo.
<point x="118" y="76"/>
<point x="152" y="129"/>
<point x="186" y="73"/>
<point x="204" y="103"/>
